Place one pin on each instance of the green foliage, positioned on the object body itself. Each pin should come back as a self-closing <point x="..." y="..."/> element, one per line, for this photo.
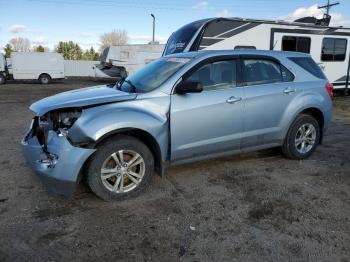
<point x="8" y="49"/>
<point x="69" y="50"/>
<point x="72" y="51"/>
<point x="39" y="48"/>
<point x="91" y="54"/>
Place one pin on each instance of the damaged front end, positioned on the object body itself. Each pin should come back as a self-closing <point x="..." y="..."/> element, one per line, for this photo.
<point x="50" y="153"/>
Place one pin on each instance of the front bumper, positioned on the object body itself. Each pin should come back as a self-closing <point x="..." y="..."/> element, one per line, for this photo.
<point x="60" y="166"/>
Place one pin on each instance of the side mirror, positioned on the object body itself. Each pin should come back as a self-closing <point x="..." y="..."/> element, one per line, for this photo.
<point x="189" y="87"/>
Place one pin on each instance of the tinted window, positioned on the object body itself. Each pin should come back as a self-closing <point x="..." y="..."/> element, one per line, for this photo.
<point x="180" y="39"/>
<point x="296" y="44"/>
<point x="257" y="72"/>
<point x="237" y="47"/>
<point x="309" y="65"/>
<point x="152" y="75"/>
<point x="217" y="75"/>
<point x="333" y="49"/>
<point x="287" y="76"/>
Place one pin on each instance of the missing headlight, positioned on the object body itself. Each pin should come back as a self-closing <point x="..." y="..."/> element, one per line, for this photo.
<point x="64" y="118"/>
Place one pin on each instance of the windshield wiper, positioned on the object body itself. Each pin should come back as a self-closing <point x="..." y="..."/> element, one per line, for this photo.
<point x="119" y="84"/>
<point x="134" y="88"/>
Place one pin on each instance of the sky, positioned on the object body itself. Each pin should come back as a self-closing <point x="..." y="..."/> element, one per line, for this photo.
<point x="46" y="22"/>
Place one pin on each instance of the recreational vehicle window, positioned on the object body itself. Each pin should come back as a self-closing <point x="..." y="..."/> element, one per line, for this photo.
<point x="333" y="49"/>
<point x="237" y="47"/>
<point x="296" y="44"/>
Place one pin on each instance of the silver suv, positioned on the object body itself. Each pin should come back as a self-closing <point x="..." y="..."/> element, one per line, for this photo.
<point x="179" y="108"/>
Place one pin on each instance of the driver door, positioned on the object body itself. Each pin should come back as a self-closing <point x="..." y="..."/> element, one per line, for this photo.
<point x="210" y="122"/>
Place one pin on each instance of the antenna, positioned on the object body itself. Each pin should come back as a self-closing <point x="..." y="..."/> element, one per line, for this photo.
<point x="328" y="6"/>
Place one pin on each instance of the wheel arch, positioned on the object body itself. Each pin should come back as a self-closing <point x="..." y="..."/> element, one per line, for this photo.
<point x="318" y="115"/>
<point x="314" y="111"/>
<point x="148" y="139"/>
<point x="42" y="74"/>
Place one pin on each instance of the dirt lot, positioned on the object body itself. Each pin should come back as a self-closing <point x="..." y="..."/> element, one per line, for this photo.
<point x="253" y="207"/>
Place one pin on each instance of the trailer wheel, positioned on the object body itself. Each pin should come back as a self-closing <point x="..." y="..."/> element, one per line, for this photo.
<point x="2" y="79"/>
<point x="44" y="79"/>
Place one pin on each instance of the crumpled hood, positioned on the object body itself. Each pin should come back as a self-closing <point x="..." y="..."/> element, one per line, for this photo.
<point x="81" y="97"/>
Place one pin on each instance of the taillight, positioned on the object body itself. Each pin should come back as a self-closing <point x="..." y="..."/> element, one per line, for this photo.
<point x="329" y="88"/>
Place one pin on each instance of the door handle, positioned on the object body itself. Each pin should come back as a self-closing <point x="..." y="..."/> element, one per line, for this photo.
<point x="289" y="90"/>
<point x="233" y="99"/>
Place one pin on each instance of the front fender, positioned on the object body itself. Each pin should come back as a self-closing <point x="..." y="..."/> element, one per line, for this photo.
<point x="149" y="115"/>
<point x="304" y="101"/>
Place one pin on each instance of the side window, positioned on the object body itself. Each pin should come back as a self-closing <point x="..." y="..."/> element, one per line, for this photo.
<point x="258" y="72"/>
<point x="287" y="76"/>
<point x="296" y="44"/>
<point x="216" y="75"/>
<point x="333" y="49"/>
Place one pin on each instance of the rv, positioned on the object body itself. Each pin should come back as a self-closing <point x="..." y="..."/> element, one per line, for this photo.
<point x="328" y="46"/>
<point x="115" y="59"/>
<point x="42" y="66"/>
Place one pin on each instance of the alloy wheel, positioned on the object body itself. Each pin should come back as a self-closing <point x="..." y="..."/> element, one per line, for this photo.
<point x="123" y="171"/>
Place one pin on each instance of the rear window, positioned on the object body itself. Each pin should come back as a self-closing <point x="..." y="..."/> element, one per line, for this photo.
<point x="309" y="65"/>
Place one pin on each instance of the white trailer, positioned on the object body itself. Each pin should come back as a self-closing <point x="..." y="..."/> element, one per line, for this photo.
<point x="328" y="46"/>
<point x="129" y="57"/>
<point x="42" y="66"/>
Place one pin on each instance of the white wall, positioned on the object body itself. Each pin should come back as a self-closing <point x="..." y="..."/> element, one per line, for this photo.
<point x="80" y="68"/>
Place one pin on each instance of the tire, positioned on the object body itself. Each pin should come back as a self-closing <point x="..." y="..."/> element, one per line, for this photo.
<point x="112" y="188"/>
<point x="44" y="79"/>
<point x="2" y="79"/>
<point x="293" y="145"/>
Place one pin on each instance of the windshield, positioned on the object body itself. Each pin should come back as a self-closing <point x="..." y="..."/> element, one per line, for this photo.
<point x="180" y="39"/>
<point x="152" y="75"/>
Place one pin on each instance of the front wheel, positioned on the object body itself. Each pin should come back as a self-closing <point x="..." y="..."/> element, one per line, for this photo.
<point x="121" y="168"/>
<point x="302" y="138"/>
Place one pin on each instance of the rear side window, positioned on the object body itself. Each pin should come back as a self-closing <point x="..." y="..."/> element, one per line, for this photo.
<point x="287" y="76"/>
<point x="296" y="44"/>
<point x="309" y="65"/>
<point x="333" y="49"/>
<point x="258" y="72"/>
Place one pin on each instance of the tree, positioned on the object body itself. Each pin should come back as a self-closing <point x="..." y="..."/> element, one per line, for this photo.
<point x="116" y="37"/>
<point x="8" y="49"/>
<point x="39" y="48"/>
<point x="20" y="44"/>
<point x="91" y="54"/>
<point x="69" y="50"/>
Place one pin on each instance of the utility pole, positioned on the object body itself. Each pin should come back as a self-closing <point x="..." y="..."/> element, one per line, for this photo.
<point x="154" y="27"/>
<point x="328" y="6"/>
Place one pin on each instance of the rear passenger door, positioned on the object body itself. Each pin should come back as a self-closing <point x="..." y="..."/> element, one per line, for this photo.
<point x="268" y="88"/>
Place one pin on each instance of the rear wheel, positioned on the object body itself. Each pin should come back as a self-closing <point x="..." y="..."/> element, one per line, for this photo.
<point x="2" y="79"/>
<point x="302" y="138"/>
<point x="121" y="168"/>
<point x="44" y="79"/>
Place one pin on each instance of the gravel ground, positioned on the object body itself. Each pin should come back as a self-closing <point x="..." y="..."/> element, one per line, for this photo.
<point x="252" y="207"/>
